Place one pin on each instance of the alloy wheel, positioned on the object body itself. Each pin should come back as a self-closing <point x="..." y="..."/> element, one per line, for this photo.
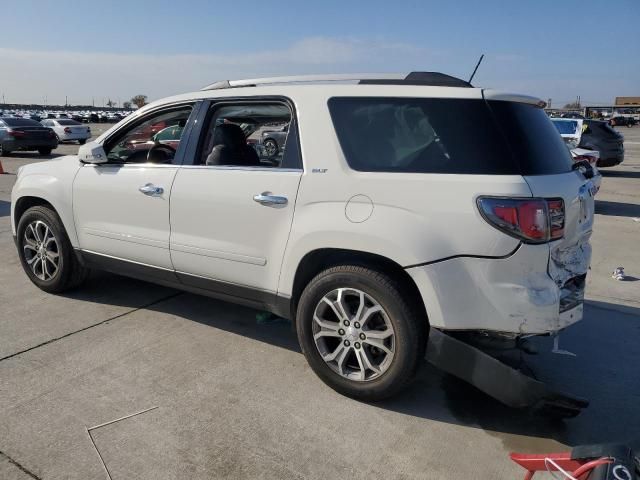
<point x="41" y="251"/>
<point x="353" y="334"/>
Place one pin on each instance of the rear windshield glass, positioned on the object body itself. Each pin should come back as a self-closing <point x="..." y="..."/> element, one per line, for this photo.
<point x="68" y="122"/>
<point x="438" y="135"/>
<point x="565" y="127"/>
<point x="533" y="139"/>
<point x="20" y="122"/>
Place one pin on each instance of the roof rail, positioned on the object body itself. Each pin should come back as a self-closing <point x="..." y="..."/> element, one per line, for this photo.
<point x="413" y="78"/>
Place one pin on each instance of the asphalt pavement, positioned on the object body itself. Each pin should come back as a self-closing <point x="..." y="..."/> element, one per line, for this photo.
<point x="236" y="399"/>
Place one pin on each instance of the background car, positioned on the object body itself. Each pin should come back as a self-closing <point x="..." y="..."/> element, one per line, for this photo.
<point x="25" y="134"/>
<point x="273" y="140"/>
<point x="600" y="136"/>
<point x="68" y="130"/>
<point x="620" y="120"/>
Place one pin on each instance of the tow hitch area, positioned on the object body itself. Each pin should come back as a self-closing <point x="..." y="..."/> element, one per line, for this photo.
<point x="497" y="379"/>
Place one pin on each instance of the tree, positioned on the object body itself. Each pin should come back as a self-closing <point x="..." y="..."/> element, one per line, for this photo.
<point x="111" y="103"/>
<point x="139" y="100"/>
<point x="126" y="105"/>
<point x="572" y="105"/>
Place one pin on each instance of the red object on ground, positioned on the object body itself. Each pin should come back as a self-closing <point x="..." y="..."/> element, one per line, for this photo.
<point x="576" y="467"/>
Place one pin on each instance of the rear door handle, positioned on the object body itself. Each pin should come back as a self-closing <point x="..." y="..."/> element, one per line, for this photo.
<point x="151" y="190"/>
<point x="265" y="198"/>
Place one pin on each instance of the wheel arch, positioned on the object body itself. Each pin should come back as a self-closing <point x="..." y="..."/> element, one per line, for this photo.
<point x="320" y="259"/>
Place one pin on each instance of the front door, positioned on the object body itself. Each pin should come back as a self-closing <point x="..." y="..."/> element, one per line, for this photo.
<point x="231" y="211"/>
<point x="121" y="208"/>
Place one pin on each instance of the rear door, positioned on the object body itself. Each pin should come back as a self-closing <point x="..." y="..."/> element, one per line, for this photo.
<point x="230" y="223"/>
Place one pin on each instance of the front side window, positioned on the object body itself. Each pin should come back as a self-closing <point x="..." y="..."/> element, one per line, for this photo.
<point x="142" y="142"/>
<point x="248" y="135"/>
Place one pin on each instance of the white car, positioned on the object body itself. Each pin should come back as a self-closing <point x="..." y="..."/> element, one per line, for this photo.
<point x="400" y="204"/>
<point x="570" y="130"/>
<point x="68" y="130"/>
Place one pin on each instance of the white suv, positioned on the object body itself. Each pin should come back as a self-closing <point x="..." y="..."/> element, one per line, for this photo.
<point x="397" y="204"/>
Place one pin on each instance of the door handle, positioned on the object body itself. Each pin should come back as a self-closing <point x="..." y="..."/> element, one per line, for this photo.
<point x="265" y="198"/>
<point x="151" y="189"/>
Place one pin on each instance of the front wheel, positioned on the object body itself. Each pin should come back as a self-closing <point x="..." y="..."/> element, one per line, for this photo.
<point x="360" y="333"/>
<point x="44" y="151"/>
<point x="46" y="253"/>
<point x="270" y="147"/>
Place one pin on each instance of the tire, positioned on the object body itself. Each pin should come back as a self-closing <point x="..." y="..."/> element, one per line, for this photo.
<point x="44" y="151"/>
<point x="69" y="273"/>
<point x="4" y="152"/>
<point x="82" y="141"/>
<point x="407" y="341"/>
<point x="270" y="147"/>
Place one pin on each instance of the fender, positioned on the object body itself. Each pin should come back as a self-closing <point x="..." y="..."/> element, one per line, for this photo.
<point x="51" y="181"/>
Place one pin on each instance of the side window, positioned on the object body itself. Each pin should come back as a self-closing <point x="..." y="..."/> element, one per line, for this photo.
<point x="253" y="134"/>
<point x="155" y="138"/>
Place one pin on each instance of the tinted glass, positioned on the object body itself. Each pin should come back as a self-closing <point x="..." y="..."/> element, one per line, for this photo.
<point x="421" y="135"/>
<point x="533" y="139"/>
<point x="68" y="122"/>
<point x="21" y="122"/>
<point x="565" y="128"/>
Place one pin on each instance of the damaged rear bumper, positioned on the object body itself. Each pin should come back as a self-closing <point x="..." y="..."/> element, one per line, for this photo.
<point x="536" y="290"/>
<point x="498" y="380"/>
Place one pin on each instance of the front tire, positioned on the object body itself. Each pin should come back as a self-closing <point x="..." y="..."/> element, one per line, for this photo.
<point x="360" y="333"/>
<point x="271" y="147"/>
<point x="44" y="151"/>
<point x="46" y="253"/>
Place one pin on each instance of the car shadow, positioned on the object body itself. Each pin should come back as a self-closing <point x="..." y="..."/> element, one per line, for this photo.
<point x="619" y="173"/>
<point x="618" y="209"/>
<point x="607" y="344"/>
<point x="5" y="208"/>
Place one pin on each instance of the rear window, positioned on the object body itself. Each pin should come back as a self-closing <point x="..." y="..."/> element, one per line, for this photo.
<point x="68" y="122"/>
<point x="441" y="135"/>
<point x="533" y="139"/>
<point x="20" y="122"/>
<point x="564" y="127"/>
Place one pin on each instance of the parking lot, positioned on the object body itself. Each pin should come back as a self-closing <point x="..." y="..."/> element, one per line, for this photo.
<point x="236" y="399"/>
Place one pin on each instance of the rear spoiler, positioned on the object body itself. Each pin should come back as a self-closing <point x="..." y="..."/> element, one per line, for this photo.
<point x="489" y="94"/>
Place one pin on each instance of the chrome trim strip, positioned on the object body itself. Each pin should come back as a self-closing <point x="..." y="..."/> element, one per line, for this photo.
<point x="234" y="257"/>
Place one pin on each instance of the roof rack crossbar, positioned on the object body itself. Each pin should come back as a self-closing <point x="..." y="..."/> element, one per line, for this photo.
<point x="413" y="78"/>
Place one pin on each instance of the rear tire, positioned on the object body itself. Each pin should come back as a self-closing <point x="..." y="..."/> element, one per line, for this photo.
<point x="44" y="151"/>
<point x="82" y="142"/>
<point x="3" y="151"/>
<point x="380" y="352"/>
<point x="46" y="253"/>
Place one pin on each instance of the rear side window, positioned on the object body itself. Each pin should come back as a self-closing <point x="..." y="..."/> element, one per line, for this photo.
<point x="420" y="135"/>
<point x="533" y="139"/>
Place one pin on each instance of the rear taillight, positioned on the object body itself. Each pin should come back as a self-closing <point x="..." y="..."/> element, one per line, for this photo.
<point x="532" y="220"/>
<point x="16" y="133"/>
<point x="588" y="158"/>
<point x="67" y="130"/>
<point x="51" y="133"/>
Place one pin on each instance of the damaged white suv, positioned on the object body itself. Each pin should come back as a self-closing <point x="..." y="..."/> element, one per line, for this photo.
<point x="395" y="205"/>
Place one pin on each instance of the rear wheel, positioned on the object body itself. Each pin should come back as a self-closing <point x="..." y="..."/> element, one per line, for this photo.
<point x="3" y="151"/>
<point x="46" y="253"/>
<point x="82" y="141"/>
<point x="44" y="151"/>
<point x="359" y="332"/>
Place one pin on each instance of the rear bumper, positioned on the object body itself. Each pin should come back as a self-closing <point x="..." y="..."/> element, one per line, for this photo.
<point x="74" y="136"/>
<point x="513" y="295"/>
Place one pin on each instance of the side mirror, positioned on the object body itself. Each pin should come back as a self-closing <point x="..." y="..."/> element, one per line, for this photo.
<point x="92" y="152"/>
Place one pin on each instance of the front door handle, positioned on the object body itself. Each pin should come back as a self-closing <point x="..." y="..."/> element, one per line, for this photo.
<point x="151" y="190"/>
<point x="265" y="198"/>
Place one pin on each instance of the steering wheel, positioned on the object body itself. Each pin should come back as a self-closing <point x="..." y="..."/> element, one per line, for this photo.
<point x="168" y="150"/>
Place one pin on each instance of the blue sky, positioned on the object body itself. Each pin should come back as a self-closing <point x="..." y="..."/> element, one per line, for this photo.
<point x="98" y="49"/>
